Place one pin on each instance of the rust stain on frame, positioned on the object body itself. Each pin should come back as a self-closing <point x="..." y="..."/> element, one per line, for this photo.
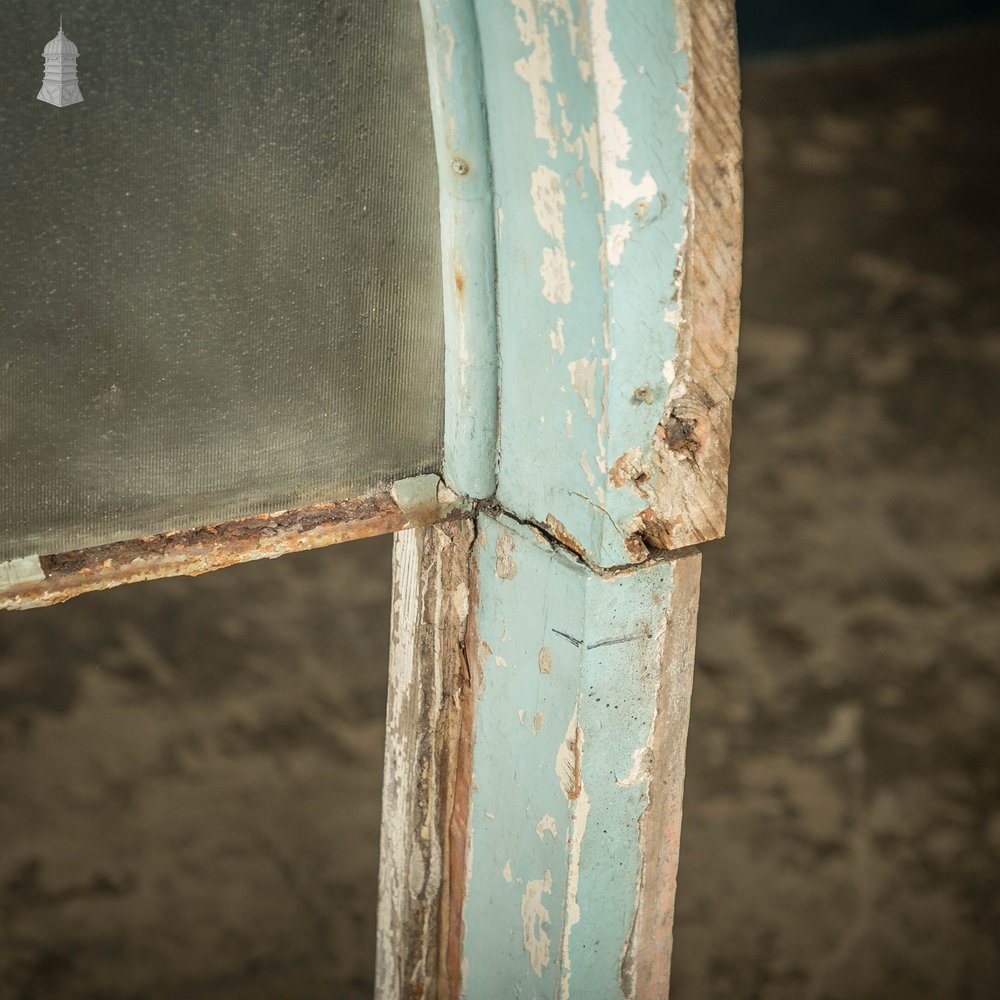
<point x="194" y="551"/>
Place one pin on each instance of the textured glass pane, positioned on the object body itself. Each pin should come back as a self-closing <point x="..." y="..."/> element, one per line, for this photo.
<point x="219" y="274"/>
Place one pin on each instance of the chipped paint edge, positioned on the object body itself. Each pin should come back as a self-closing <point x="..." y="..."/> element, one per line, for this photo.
<point x="636" y="459"/>
<point x="551" y="897"/>
<point x="646" y="958"/>
<point x="20" y="572"/>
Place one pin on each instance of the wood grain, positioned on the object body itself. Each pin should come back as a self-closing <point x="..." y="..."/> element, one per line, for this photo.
<point x="646" y="965"/>
<point x="691" y="444"/>
<point x="427" y="767"/>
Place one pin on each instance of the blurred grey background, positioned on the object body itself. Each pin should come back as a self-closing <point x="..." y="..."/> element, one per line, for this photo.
<point x="189" y="769"/>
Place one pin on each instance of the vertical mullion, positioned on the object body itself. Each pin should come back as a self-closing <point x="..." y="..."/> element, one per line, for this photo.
<point x="428" y="711"/>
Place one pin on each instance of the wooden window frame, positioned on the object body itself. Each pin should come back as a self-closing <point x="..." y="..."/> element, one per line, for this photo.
<point x="589" y="159"/>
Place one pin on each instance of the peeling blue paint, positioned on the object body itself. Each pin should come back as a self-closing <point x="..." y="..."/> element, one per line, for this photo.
<point x="590" y="190"/>
<point x="566" y="703"/>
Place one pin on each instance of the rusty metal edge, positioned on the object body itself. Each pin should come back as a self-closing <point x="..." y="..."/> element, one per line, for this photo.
<point x="194" y="551"/>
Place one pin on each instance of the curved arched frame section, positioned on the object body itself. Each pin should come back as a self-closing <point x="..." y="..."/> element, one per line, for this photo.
<point x="614" y="190"/>
<point x="467" y="245"/>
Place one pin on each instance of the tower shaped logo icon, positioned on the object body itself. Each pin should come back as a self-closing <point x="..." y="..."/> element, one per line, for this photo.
<point x="60" y="85"/>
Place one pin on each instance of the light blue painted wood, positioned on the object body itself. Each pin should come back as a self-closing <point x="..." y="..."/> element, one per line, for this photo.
<point x="561" y="823"/>
<point x="467" y="248"/>
<point x="587" y="116"/>
<point x="566" y="702"/>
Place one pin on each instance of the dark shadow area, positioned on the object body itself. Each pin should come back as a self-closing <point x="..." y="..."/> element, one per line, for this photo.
<point x="189" y="784"/>
<point x="770" y="26"/>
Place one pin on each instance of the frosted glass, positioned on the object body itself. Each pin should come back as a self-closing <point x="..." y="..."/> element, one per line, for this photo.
<point x="220" y="287"/>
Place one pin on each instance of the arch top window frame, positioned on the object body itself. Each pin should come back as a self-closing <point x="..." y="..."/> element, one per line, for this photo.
<point x="546" y="584"/>
<point x="614" y="157"/>
<point x="590" y="205"/>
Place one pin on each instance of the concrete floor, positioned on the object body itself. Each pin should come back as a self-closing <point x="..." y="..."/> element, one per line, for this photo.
<point x="189" y="775"/>
<point x="842" y="823"/>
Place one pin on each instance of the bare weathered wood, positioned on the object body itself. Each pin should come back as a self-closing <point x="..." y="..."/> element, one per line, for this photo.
<point x="646" y="965"/>
<point x="427" y="765"/>
<point x="690" y="466"/>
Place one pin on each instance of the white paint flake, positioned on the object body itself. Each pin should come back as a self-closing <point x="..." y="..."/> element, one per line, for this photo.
<point x="592" y="140"/>
<point x="640" y="770"/>
<point x="534" y="918"/>
<point x="536" y="70"/>
<point x="556" y="284"/>
<point x="548" y="201"/>
<point x="564" y="123"/>
<point x="557" y="339"/>
<point x="683" y="119"/>
<point x="569" y="770"/>
<point x="547" y="824"/>
<point x="583" y="375"/>
<point x="565" y="8"/>
<point x="615" y="142"/>
<point x="618" y="237"/>
<point x="506" y="568"/>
